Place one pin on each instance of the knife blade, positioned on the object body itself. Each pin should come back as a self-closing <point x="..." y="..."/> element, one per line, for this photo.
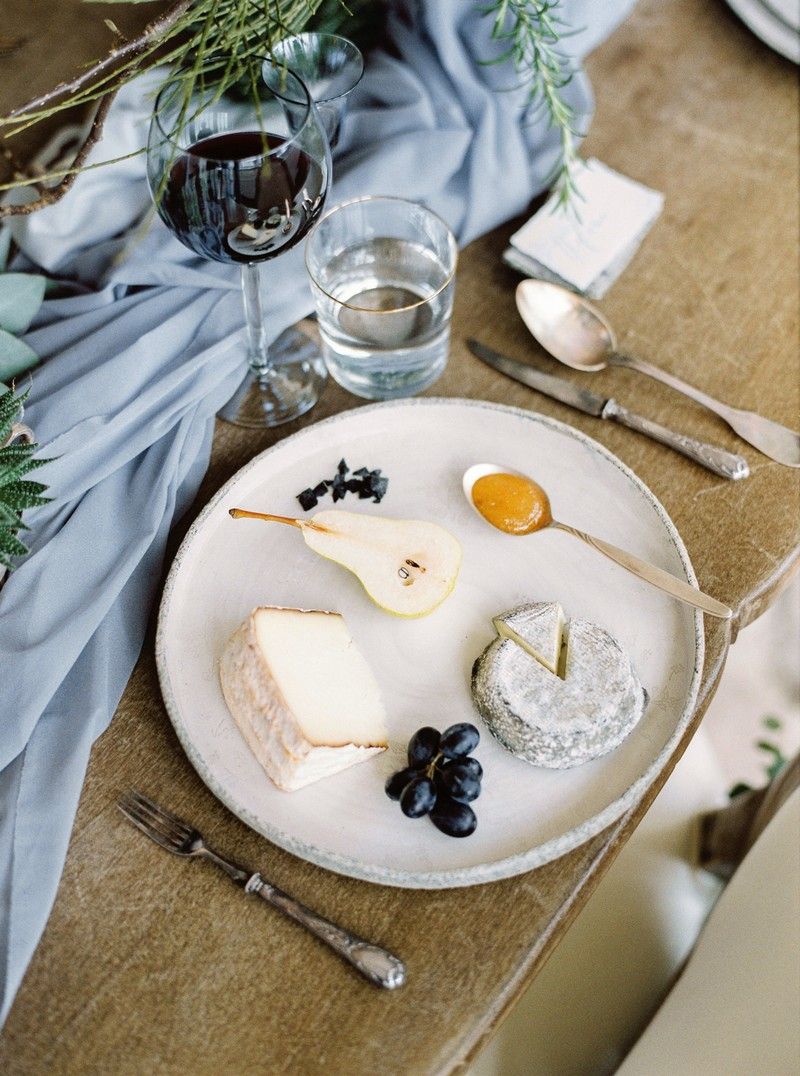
<point x="719" y="460"/>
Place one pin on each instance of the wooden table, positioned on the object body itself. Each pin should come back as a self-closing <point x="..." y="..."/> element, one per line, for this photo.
<point x="148" y="965"/>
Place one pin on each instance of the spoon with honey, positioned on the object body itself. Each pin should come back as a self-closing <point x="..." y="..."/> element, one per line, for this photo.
<point x="515" y="504"/>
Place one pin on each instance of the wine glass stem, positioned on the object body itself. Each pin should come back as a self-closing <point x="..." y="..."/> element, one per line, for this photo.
<point x="258" y="352"/>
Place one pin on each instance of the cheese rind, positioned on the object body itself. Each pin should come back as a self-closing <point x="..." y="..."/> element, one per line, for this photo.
<point x="537" y="627"/>
<point x="554" y="722"/>
<point x="301" y="694"/>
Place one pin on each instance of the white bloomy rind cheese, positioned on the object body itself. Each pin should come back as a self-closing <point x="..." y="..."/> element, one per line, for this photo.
<point x="302" y="695"/>
<point x="550" y="721"/>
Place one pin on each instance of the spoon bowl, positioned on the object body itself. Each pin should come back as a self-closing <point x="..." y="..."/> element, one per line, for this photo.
<point x="543" y="519"/>
<point x="577" y="334"/>
<point x="480" y="470"/>
<point x="566" y="325"/>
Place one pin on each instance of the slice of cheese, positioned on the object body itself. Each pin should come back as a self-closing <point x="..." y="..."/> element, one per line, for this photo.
<point x="537" y="627"/>
<point x="301" y="694"/>
<point x="555" y="722"/>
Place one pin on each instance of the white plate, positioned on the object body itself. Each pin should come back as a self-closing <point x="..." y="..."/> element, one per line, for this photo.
<point x="767" y="22"/>
<point x="788" y="11"/>
<point x="526" y="815"/>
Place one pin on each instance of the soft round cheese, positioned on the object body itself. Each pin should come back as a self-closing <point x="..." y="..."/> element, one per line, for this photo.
<point x="555" y="722"/>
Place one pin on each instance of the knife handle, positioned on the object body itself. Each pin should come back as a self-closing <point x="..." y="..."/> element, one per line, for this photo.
<point x="718" y="460"/>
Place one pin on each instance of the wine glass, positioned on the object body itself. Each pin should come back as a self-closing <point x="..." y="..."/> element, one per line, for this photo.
<point x="241" y="181"/>
<point x="329" y="66"/>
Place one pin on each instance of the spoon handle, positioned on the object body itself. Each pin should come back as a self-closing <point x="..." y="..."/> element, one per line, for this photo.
<point x="774" y="440"/>
<point x="685" y="592"/>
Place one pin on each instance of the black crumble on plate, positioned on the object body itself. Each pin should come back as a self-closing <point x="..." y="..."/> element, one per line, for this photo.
<point x="364" y="483"/>
<point x="307" y="499"/>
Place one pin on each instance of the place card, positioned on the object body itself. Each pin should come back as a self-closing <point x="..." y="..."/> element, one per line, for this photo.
<point x="587" y="246"/>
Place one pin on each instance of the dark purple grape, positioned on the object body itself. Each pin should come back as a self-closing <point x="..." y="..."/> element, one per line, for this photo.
<point x="472" y="765"/>
<point x="458" y="782"/>
<point x="418" y="797"/>
<point x="423" y="746"/>
<point x="459" y="740"/>
<point x="454" y="819"/>
<point x="398" y="781"/>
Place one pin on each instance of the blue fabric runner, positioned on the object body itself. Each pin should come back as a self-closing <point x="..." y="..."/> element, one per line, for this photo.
<point x="147" y="349"/>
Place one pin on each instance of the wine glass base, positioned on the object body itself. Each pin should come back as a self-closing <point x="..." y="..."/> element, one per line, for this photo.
<point x="287" y="390"/>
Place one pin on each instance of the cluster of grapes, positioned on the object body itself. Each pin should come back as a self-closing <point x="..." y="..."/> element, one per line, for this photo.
<point x="441" y="779"/>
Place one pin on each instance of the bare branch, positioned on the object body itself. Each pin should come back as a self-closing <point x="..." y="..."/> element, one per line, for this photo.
<point x="153" y="30"/>
<point x="49" y="195"/>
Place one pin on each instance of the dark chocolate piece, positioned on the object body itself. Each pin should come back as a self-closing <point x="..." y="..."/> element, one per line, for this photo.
<point x="363" y="482"/>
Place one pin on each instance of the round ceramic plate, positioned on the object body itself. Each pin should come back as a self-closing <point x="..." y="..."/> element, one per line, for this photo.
<point x="774" y="21"/>
<point x="526" y="815"/>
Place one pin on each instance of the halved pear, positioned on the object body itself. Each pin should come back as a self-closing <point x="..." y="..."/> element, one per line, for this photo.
<point x="407" y="566"/>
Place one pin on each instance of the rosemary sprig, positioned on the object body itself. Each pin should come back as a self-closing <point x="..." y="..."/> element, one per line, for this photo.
<point x="530" y="30"/>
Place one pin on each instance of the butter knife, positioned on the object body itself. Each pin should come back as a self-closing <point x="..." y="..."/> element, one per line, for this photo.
<point x="721" y="462"/>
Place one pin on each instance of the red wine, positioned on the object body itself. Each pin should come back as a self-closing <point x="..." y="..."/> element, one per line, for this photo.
<point x="226" y="198"/>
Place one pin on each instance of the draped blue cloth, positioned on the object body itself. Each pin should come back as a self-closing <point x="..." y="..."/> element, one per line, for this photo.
<point x="144" y="351"/>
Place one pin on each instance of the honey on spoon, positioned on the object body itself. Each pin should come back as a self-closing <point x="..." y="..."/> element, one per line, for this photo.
<point x="516" y="505"/>
<point x="511" y="502"/>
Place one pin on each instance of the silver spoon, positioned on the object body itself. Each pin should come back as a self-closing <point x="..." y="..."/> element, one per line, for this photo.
<point x="671" y="585"/>
<point x="577" y="334"/>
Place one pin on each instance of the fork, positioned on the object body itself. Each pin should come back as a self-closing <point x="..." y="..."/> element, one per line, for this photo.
<point x="176" y="836"/>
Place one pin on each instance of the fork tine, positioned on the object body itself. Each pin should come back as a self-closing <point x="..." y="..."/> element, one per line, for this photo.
<point x="144" y="825"/>
<point x="132" y="808"/>
<point x="154" y="824"/>
<point x="161" y="813"/>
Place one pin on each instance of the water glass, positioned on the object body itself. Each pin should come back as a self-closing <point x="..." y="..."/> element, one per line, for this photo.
<point x="383" y="274"/>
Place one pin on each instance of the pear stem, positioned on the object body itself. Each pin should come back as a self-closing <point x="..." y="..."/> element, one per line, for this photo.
<point x="243" y="513"/>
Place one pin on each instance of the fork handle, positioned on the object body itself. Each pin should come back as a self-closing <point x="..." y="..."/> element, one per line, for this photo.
<point x="376" y="964"/>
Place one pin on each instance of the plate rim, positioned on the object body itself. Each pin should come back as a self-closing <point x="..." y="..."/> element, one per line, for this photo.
<point x="769" y="27"/>
<point x="495" y="870"/>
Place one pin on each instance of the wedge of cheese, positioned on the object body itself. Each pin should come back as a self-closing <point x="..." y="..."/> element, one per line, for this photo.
<point x="301" y="694"/>
<point x="538" y="628"/>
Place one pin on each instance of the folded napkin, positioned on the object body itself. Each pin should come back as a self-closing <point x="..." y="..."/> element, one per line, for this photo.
<point x="587" y="249"/>
<point x="136" y="363"/>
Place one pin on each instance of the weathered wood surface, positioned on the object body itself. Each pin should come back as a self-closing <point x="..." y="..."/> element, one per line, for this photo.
<point x="152" y="965"/>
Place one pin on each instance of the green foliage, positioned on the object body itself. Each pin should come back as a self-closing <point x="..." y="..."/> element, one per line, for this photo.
<point x="360" y="20"/>
<point x="776" y="758"/>
<point x="21" y="296"/>
<point x="17" y="491"/>
<point x="222" y="43"/>
<point x="530" y="31"/>
<point x="739" y="789"/>
<point x="15" y="355"/>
